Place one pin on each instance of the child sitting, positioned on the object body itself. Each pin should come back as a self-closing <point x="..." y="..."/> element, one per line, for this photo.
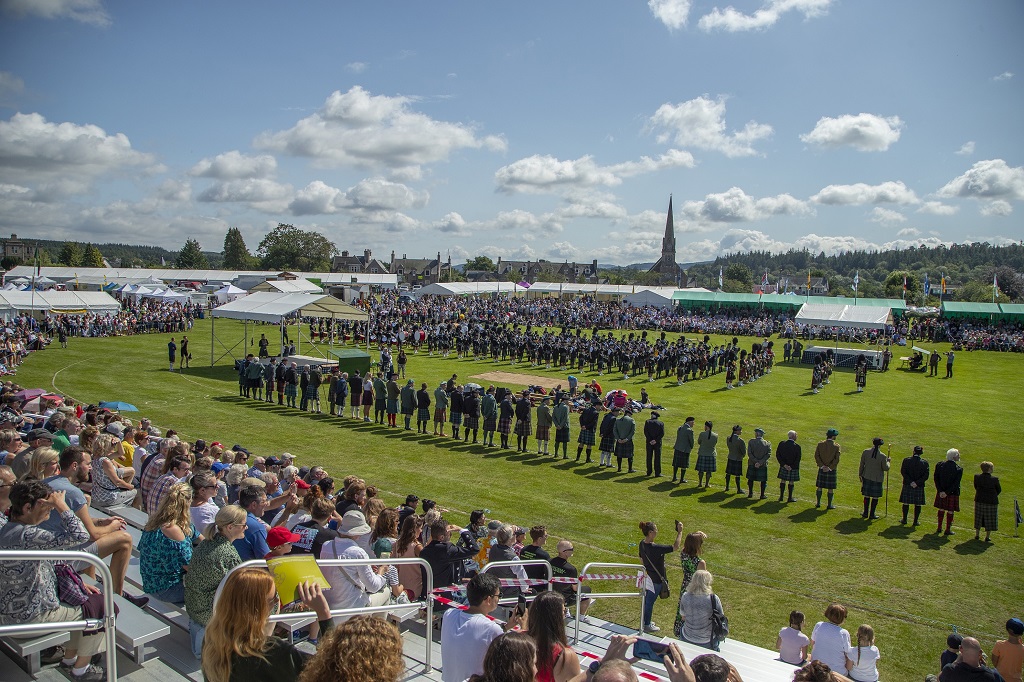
<point x="792" y="643"/>
<point x="863" y="665"/>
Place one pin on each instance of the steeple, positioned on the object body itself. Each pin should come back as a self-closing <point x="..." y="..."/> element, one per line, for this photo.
<point x="668" y="244"/>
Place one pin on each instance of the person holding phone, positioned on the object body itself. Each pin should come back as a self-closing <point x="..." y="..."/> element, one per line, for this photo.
<point x="653" y="557"/>
<point x="466" y="635"/>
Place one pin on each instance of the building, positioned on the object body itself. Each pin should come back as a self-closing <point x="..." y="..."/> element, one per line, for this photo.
<point x="666" y="270"/>
<point x="420" y="271"/>
<point x="347" y="262"/>
<point x="797" y="284"/>
<point x="15" y="249"/>
<point x="546" y="271"/>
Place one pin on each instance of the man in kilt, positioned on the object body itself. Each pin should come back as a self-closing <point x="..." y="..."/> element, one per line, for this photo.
<point x="734" y="459"/>
<point x="408" y="401"/>
<point x="505" y="413"/>
<point x="269" y="374"/>
<point x="947" y="488"/>
<point x="560" y="420"/>
<point x="422" y="408"/>
<point x="607" y="446"/>
<point x="457" y="399"/>
<point x="914" y="471"/>
<point x="380" y="398"/>
<point x="986" y="501"/>
<point x="707" y="455"/>
<point x="471" y="414"/>
<point x="623" y="430"/>
<point x="873" y="465"/>
<point x="759" y="451"/>
<point x="489" y="411"/>
<point x="543" y="434"/>
<point x="860" y="374"/>
<point x="682" y="449"/>
<point x="393" y="393"/>
<point x="524" y="419"/>
<point x="588" y="431"/>
<point x="291" y="383"/>
<point x="826" y="456"/>
<point x="440" y="409"/>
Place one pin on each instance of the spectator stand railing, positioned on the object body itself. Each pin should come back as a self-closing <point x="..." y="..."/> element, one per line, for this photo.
<point x="587" y="576"/>
<point x="515" y="582"/>
<point x="386" y="608"/>
<point x="108" y="620"/>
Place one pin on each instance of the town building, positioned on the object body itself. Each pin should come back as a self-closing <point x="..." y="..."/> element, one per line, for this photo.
<point x="415" y="272"/>
<point x="666" y="270"/>
<point x="348" y="262"/>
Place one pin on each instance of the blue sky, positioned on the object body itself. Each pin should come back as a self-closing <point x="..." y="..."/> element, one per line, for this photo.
<point x="529" y="130"/>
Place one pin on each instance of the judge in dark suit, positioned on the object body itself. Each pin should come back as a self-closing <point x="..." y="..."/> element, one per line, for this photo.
<point x="654" y="432"/>
<point x="788" y="455"/>
<point x="914" y="471"/>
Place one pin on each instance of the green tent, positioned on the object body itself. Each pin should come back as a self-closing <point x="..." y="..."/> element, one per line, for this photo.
<point x="1012" y="311"/>
<point x="352" y="360"/>
<point x="969" y="309"/>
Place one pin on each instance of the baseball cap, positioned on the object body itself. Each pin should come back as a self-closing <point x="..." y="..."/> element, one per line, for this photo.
<point x="832" y="432"/>
<point x="218" y="467"/>
<point x="301" y="485"/>
<point x="115" y="428"/>
<point x="39" y="433"/>
<point x="272" y="461"/>
<point x="1015" y="626"/>
<point x="279" y="535"/>
<point x="238" y="448"/>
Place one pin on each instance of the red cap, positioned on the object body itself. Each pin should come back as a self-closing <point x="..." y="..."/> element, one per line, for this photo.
<point x="279" y="535"/>
<point x="302" y="485"/>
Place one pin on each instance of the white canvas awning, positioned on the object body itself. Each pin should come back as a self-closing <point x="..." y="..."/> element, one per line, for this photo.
<point x="229" y="293"/>
<point x="852" y="316"/>
<point x="59" y="301"/>
<point x="268" y="306"/>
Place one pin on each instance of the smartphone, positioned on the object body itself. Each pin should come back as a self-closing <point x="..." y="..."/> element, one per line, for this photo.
<point x="650" y="651"/>
<point x="521" y="606"/>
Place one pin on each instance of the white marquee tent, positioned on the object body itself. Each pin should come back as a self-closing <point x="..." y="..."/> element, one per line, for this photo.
<point x="56" y="302"/>
<point x="850" y="316"/>
<point x="229" y="293"/>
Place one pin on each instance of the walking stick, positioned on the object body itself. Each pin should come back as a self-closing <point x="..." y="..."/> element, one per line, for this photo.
<point x="888" y="450"/>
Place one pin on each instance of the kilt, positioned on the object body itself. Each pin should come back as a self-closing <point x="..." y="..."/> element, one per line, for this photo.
<point x="986" y="516"/>
<point x="562" y="435"/>
<point x="422" y="414"/>
<point x="759" y="474"/>
<point x="734" y="467"/>
<point x="706" y="463"/>
<point x="456" y="418"/>
<point x="624" y="450"/>
<point x="586" y="437"/>
<point x="607" y="444"/>
<point x="291" y="390"/>
<point x="408" y="410"/>
<point x="523" y="427"/>
<point x="392" y="405"/>
<point x="948" y="503"/>
<point x="311" y="393"/>
<point x="367" y="397"/>
<point x="826" y="479"/>
<point x="910" y="495"/>
<point x="379" y="404"/>
<point x="680" y="459"/>
<point x="440" y="414"/>
<point x="472" y="422"/>
<point x="871" y="488"/>
<point x="791" y="475"/>
<point x="270" y="385"/>
<point x="543" y="432"/>
<point x="354" y="399"/>
<point x="505" y="425"/>
<point x="491" y="423"/>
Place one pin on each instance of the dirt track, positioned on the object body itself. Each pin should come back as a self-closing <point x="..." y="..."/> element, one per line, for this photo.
<point x="519" y="379"/>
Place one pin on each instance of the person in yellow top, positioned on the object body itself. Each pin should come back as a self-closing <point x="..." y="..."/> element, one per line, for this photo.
<point x="126" y="458"/>
<point x="826" y="456"/>
<point x="1008" y="654"/>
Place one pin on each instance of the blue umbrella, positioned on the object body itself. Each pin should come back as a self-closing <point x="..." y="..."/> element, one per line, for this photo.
<point x="118" y="406"/>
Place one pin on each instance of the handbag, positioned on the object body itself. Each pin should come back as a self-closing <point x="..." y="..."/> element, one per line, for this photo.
<point x="665" y="591"/>
<point x="719" y="623"/>
<point x="70" y="588"/>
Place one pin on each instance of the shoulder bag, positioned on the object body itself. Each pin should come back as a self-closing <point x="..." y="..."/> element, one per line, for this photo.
<point x="719" y="623"/>
<point x="665" y="591"/>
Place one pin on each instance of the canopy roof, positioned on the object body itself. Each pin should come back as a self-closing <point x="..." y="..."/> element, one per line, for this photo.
<point x="1012" y="309"/>
<point x="969" y="309"/>
<point x="653" y="296"/>
<point x="288" y="286"/>
<point x="266" y="306"/>
<point x="59" y="301"/>
<point x="831" y="315"/>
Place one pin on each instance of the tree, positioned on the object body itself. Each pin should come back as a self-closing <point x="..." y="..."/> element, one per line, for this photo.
<point x="1010" y="281"/>
<point x="236" y="254"/>
<point x="894" y="285"/>
<point x="70" y="254"/>
<point x="740" y="273"/>
<point x="482" y="263"/>
<point x="8" y="262"/>
<point x="979" y="292"/>
<point x="191" y="256"/>
<point x="288" y="248"/>
<point x="92" y="258"/>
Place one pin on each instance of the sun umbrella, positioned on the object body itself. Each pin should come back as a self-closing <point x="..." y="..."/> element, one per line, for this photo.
<point x="29" y="393"/>
<point x="33" y="404"/>
<point x="118" y="406"/>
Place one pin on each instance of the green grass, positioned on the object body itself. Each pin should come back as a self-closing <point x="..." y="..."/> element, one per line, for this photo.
<point x="767" y="558"/>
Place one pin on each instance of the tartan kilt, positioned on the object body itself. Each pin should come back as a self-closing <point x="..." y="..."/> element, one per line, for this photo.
<point x="706" y="463"/>
<point x="505" y="425"/>
<point x="311" y="393"/>
<point x="562" y="435"/>
<point x="910" y="495"/>
<point x="826" y="479"/>
<point x="607" y="444"/>
<point x="408" y="410"/>
<point x="734" y="467"/>
<point x="871" y="488"/>
<point x="472" y="422"/>
<point x="586" y="437"/>
<point x="491" y="423"/>
<point x="680" y="459"/>
<point x="440" y="414"/>
<point x="986" y="516"/>
<point x="948" y="503"/>
<point x="456" y="418"/>
<point x="792" y="475"/>
<point x="392" y="405"/>
<point x="757" y="474"/>
<point x="543" y="432"/>
<point x="422" y="414"/>
<point x="291" y="390"/>
<point x="523" y="427"/>
<point x="354" y="398"/>
<point x="624" y="450"/>
<point x="379" y="404"/>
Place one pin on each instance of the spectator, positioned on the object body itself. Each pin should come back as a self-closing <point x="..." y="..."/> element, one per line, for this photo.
<point x="970" y="666"/>
<point x="43" y="463"/>
<point x="237" y="646"/>
<point x="561" y="568"/>
<point x="253" y="543"/>
<point x="653" y="557"/>
<point x="792" y="642"/>
<point x="830" y="642"/>
<point x="535" y="551"/>
<point x="408" y="546"/>
<point x="212" y="559"/>
<point x="7" y="481"/>
<point x="862" y="663"/>
<point x="697" y="605"/>
<point x="177" y="469"/>
<point x="556" y="661"/>
<point x="466" y="635"/>
<point x="165" y="549"/>
<point x="357" y="586"/>
<point x="952" y="649"/>
<point x="354" y="497"/>
<point x="203" y="509"/>
<point x="1008" y="654"/>
<point x="817" y="671"/>
<point x="711" y="668"/>
<point x="279" y="540"/>
<point x="314" y="533"/>
<point x="692" y="562"/>
<point x="511" y="657"/>
<point x="366" y="649"/>
<point x="446" y="559"/>
<point x="502" y="550"/>
<point x="111" y="485"/>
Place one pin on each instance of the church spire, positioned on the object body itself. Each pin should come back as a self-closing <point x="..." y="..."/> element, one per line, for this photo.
<point x="668" y="244"/>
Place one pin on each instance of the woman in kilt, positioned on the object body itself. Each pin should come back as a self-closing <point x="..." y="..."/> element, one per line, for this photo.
<point x="505" y="412"/>
<point x="489" y="411"/>
<point x="543" y="434"/>
<point x="873" y="465"/>
<point x="914" y="471"/>
<point x="826" y="456"/>
<point x="456" y="411"/>
<point x="607" y="446"/>
<point x="524" y="426"/>
<point x="737" y="452"/>
<point x="947" y="488"/>
<point x="986" y="501"/>
<point x="707" y="455"/>
<point x="588" y="431"/>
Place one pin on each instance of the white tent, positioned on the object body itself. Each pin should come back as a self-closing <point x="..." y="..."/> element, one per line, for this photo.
<point x="266" y="306"/>
<point x="832" y="315"/>
<point x="287" y="286"/>
<point x="659" y="297"/>
<point x="229" y="293"/>
<point x="70" y="302"/>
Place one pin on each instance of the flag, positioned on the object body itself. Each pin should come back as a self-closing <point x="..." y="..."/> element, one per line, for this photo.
<point x="856" y="280"/>
<point x="904" y="283"/>
<point x="995" y="284"/>
<point x="719" y="277"/>
<point x="1017" y="518"/>
<point x="927" y="286"/>
<point x="943" y="283"/>
<point x="764" y="281"/>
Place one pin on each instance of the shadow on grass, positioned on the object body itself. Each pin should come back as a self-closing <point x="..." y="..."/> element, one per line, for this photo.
<point x="853" y="392"/>
<point x="741" y="502"/>
<point x="662" y="486"/>
<point x="932" y="541"/>
<point x="631" y="478"/>
<point x="851" y="526"/>
<point x="897" y="532"/>
<point x="715" y="497"/>
<point x="603" y="475"/>
<point x="772" y="507"/>
<point x="807" y="515"/>
<point x="972" y="547"/>
<point x="683" y="492"/>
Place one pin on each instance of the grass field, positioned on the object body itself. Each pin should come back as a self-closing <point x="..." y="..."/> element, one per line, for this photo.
<point x="767" y="558"/>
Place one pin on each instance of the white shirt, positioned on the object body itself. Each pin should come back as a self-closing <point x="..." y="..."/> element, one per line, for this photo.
<point x="203" y="515"/>
<point x="866" y="670"/>
<point x="831" y="644"/>
<point x="349" y="585"/>
<point x="464" y="641"/>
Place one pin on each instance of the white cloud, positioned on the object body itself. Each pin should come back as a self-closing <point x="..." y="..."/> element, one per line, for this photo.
<point x="735" y="205"/>
<point x="356" y="128"/>
<point x="174" y="191"/>
<point x="966" y="149"/>
<point x="259" y="193"/>
<point x="938" y="208"/>
<point x="991" y="179"/>
<point x="591" y="206"/>
<point x="317" y="198"/>
<point x="454" y="224"/>
<point x="998" y="208"/>
<point x="378" y="193"/>
<point x="357" y="67"/>
<point x="84" y="11"/>
<point x="384" y="219"/>
<point x="1004" y="76"/>
<point x="526" y="222"/>
<point x="732" y="20"/>
<point x="545" y="173"/>
<point x="861" y="193"/>
<point x="700" y="123"/>
<point x="672" y="13"/>
<point x="887" y="216"/>
<point x="738" y="241"/>
<point x="909" y="232"/>
<point x="864" y="132"/>
<point x="234" y="165"/>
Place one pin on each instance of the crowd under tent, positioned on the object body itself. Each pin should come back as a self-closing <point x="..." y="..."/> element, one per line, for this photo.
<point x="57" y="302"/>
<point x="278" y="308"/>
<point x="968" y="309"/>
